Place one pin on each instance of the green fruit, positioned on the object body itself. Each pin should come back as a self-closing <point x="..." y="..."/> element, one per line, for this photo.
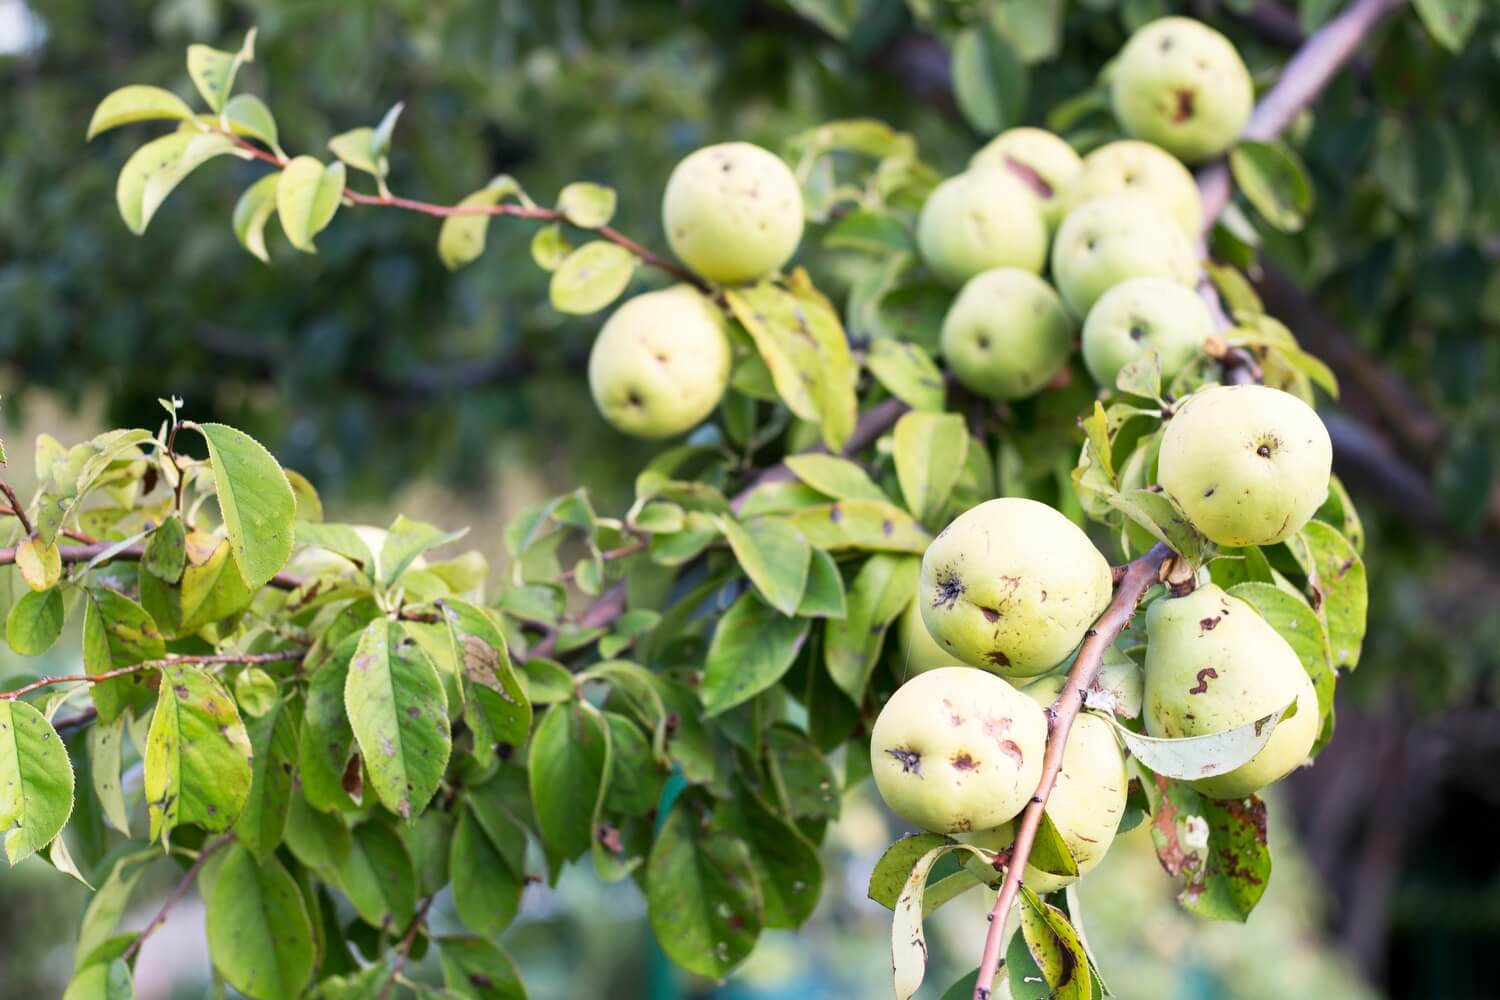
<point x="1213" y="664"/>
<point x="918" y="652"/>
<point x="1109" y="240"/>
<point x="957" y="749"/>
<point x="1142" y="315"/>
<point x="661" y="363"/>
<point x="1087" y="801"/>
<point x="1181" y="84"/>
<point x="982" y="219"/>
<point x="1130" y="167"/>
<point x="733" y="212"/>
<point x="1011" y="586"/>
<point x="1044" y="162"/>
<point x="1247" y="464"/>
<point x="1006" y="334"/>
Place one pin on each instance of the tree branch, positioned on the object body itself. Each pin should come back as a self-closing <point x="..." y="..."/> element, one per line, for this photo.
<point x="16" y="510"/>
<point x="93" y="548"/>
<point x="281" y="656"/>
<point x="403" y="951"/>
<point x="207" y="851"/>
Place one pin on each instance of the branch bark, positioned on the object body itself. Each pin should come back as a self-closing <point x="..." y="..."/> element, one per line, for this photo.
<point x="1137" y="578"/>
<point x="281" y="656"/>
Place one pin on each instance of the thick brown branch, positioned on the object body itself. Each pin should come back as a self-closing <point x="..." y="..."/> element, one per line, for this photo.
<point x="1134" y="582"/>
<point x="281" y="656"/>
<point x="207" y="851"/>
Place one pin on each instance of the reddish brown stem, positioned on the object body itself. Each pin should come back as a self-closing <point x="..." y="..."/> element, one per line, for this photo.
<point x="16" y="509"/>
<point x="131" y="553"/>
<point x="207" y="851"/>
<point x="403" y="951"/>
<point x="1134" y="582"/>
<point x="280" y="656"/>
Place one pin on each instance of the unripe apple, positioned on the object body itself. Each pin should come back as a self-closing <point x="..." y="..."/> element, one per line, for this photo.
<point x="1087" y="800"/>
<point x="1247" y="464"/>
<point x="957" y="749"/>
<point x="1109" y="240"/>
<point x="733" y="212"/>
<point x="1181" y="84"/>
<point x="1141" y="315"/>
<point x="1213" y="664"/>
<point x="1011" y="586"/>
<point x="1044" y="162"/>
<point x="661" y="363"/>
<point x="918" y="652"/>
<point x="1131" y="167"/>
<point x="1006" y="334"/>
<point x="981" y="219"/>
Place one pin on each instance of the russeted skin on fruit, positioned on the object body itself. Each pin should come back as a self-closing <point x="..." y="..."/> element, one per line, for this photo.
<point x="1086" y="803"/>
<point x="1006" y="334"/>
<point x="661" y="363"/>
<point x="1011" y="586"/>
<point x="1141" y="315"/>
<point x="1213" y="663"/>
<point x="1132" y="167"/>
<point x="1248" y="464"/>
<point x="1044" y="162"/>
<point x="957" y="749"/>
<point x="1181" y="84"/>
<point x="1109" y="240"/>
<point x="733" y="212"/>
<point x="981" y="219"/>
<point x="918" y="651"/>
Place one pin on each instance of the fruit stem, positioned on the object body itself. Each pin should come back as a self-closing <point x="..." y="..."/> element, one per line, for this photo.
<point x="1137" y="578"/>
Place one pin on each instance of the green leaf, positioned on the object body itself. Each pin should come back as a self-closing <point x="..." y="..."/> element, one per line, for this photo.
<point x="824" y="596"/>
<point x="702" y="895"/>
<point x="319" y="841"/>
<point x="775" y="557"/>
<point x="248" y="116"/>
<point x="495" y="704"/>
<point x="255" y="499"/>
<point x="753" y="646"/>
<point x="259" y="933"/>
<point x="326" y="751"/>
<point x="804" y="780"/>
<point x="1055" y="947"/>
<point x="1158" y="514"/>
<point x="908" y="373"/>
<point x="212" y="589"/>
<point x="1049" y="852"/>
<point x="273" y="745"/>
<point x="307" y="197"/>
<point x="550" y="247"/>
<point x="102" y="981"/>
<point x="835" y="477"/>
<point x="406" y="540"/>
<point x="893" y="869"/>
<point x="1451" y="22"/>
<point x="989" y="80"/>
<point x="165" y="556"/>
<point x="786" y="862"/>
<point x="35" y="621"/>
<point x="106" y="743"/>
<point x="930" y="451"/>
<point x="155" y="169"/>
<point x="40" y="563"/>
<point x="117" y="632"/>
<point x="197" y="758"/>
<point x="861" y="524"/>
<point x="963" y="989"/>
<point x="587" y="206"/>
<point x="567" y="768"/>
<point x="378" y="877"/>
<point x="1194" y="757"/>
<point x="872" y="232"/>
<point x="36" y="781"/>
<point x="1299" y="625"/>
<point x="380" y="139"/>
<point x="1273" y="179"/>
<point x="461" y="238"/>
<point x="213" y="70"/>
<point x="908" y="944"/>
<point x="880" y="591"/>
<point x="487" y="889"/>
<point x="103" y="913"/>
<point x="1342" y="590"/>
<point x="137" y="103"/>
<point x="591" y="277"/>
<point x="251" y="213"/>
<point x="354" y="149"/>
<point x="475" y="968"/>
<point x="399" y="715"/>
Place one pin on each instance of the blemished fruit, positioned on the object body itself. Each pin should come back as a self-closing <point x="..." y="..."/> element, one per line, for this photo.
<point x="1141" y="315"/>
<point x="1110" y="240"/>
<point x="1044" y="162"/>
<point x="1213" y="664"/>
<point x="1011" y="586"/>
<point x="661" y="363"/>
<point x="1087" y="801"/>
<point x="733" y="212"/>
<point x="1247" y="464"/>
<point x="918" y="651"/>
<point x="1006" y="334"/>
<point x="1132" y="167"/>
<point x="957" y="749"/>
<point x="979" y="220"/>
<point x="1181" y="84"/>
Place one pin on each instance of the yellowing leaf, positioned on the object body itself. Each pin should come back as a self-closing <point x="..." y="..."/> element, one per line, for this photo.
<point x="137" y="103"/>
<point x="307" y="198"/>
<point x="591" y="277"/>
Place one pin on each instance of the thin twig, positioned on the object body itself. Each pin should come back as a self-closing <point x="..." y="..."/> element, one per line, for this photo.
<point x="403" y="951"/>
<point x="1138" y="577"/>
<point x="280" y="656"/>
<point x="207" y="851"/>
<point x="132" y="553"/>
<point x="16" y="509"/>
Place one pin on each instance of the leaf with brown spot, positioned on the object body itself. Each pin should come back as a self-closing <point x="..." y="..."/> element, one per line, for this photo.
<point x="1055" y="946"/>
<point x="197" y="759"/>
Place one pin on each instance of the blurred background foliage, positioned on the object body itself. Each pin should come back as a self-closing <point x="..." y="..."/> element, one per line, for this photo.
<point x="392" y="383"/>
